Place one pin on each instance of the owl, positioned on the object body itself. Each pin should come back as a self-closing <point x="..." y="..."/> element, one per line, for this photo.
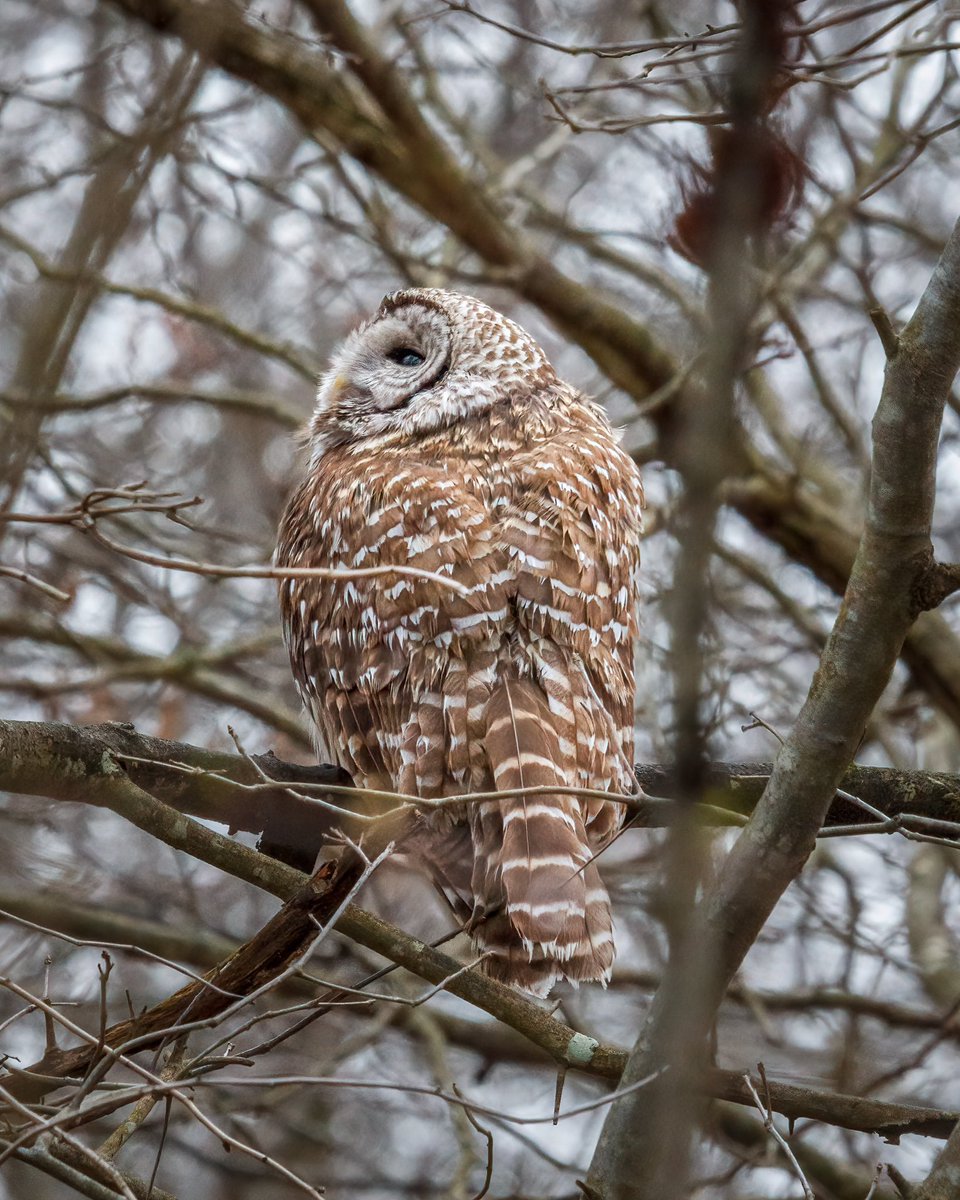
<point x="444" y="440"/>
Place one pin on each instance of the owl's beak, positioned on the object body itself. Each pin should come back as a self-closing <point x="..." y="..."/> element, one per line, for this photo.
<point x="340" y="394"/>
<point x="336" y="390"/>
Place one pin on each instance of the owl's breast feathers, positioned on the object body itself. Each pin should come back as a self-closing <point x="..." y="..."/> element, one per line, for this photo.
<point x="535" y="512"/>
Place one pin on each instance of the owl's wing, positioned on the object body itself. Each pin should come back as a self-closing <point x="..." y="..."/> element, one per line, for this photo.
<point x="390" y="666"/>
<point x="572" y="536"/>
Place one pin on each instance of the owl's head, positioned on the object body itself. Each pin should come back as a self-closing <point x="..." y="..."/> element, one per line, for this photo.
<point x="426" y="359"/>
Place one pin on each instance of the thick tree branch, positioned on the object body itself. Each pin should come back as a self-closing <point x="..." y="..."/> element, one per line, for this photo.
<point x="44" y="759"/>
<point x="878" y="610"/>
<point x="894" y="792"/>
<point x="943" y="1182"/>
<point x="69" y="764"/>
<point x="54" y="759"/>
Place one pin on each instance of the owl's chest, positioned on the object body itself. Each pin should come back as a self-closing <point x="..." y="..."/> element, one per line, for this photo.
<point x="400" y="506"/>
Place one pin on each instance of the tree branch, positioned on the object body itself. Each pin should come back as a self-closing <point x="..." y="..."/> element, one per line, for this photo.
<point x="935" y="583"/>
<point x="78" y="765"/>
<point x="877" y="612"/>
<point x="54" y="759"/>
<point x="943" y="1182"/>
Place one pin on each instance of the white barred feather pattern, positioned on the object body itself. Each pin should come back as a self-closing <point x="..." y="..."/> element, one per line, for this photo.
<point x="444" y="440"/>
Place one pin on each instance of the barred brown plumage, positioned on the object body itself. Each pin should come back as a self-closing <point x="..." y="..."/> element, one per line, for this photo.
<point x="443" y="439"/>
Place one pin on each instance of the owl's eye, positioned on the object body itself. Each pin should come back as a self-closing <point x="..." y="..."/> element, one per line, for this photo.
<point x="405" y="356"/>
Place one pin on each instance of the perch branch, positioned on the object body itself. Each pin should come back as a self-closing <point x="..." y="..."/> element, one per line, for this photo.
<point x="71" y="764"/>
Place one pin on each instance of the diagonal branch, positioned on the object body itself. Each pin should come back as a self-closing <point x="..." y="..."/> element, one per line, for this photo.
<point x="367" y="110"/>
<point x="878" y="610"/>
<point x="943" y="1182"/>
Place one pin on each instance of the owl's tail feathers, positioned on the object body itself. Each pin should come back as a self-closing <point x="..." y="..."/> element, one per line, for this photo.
<point x="555" y="917"/>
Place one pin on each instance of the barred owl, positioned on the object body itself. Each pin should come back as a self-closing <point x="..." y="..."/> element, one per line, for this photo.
<point x="443" y="439"/>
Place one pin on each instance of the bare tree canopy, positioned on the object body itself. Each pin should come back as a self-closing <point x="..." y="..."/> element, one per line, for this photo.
<point x="736" y="226"/>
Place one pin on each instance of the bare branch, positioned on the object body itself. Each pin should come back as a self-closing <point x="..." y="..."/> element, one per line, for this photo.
<point x="771" y="1128"/>
<point x="269" y="953"/>
<point x="47" y="589"/>
<point x="854" y="669"/>
<point x="944" y="1180"/>
<point x="102" y="503"/>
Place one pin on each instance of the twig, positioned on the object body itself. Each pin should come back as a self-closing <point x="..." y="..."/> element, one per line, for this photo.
<point x="129" y="947"/>
<point x="100" y="503"/>
<point x="899" y="1180"/>
<point x="488" y="1135"/>
<point x="877" y="1176"/>
<point x="32" y="581"/>
<point x="889" y="338"/>
<point x="768" y="1123"/>
<point x="414" y="1089"/>
<point x="99" y="1164"/>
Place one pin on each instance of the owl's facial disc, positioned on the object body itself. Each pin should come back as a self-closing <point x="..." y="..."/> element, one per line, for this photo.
<point x="427" y="360"/>
<point x="382" y="368"/>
